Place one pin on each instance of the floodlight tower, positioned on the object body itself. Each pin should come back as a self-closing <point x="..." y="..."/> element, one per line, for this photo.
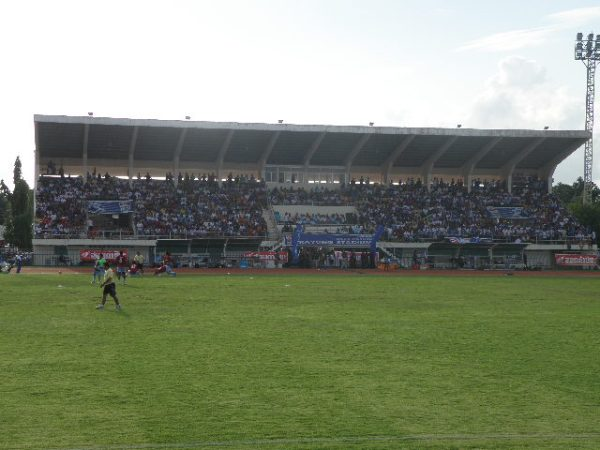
<point x="588" y="52"/>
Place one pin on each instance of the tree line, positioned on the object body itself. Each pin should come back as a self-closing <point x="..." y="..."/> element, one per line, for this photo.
<point x="572" y="197"/>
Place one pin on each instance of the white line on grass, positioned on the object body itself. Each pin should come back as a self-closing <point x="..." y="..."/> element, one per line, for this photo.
<point x="343" y="439"/>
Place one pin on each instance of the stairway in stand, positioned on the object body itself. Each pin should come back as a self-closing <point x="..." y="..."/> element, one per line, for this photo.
<point x="272" y="230"/>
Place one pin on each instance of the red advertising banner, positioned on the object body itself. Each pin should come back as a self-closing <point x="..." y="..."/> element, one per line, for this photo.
<point x="569" y="259"/>
<point x="267" y="256"/>
<point x="88" y="255"/>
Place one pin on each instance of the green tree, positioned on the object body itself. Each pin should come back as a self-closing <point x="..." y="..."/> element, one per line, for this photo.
<point x="4" y="201"/>
<point x="564" y="192"/>
<point x="569" y="194"/>
<point x="17" y="172"/>
<point x="571" y="197"/>
<point x="19" y="219"/>
<point x="587" y="215"/>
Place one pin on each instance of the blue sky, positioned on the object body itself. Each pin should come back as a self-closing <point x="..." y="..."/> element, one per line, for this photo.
<point x="396" y="63"/>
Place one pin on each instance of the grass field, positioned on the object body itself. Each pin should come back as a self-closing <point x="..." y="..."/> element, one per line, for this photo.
<point x="294" y="361"/>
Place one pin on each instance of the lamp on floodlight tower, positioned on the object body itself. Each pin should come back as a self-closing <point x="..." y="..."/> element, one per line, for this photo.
<point x="588" y="52"/>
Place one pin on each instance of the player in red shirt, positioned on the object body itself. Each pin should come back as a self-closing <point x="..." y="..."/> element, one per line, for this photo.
<point x="166" y="266"/>
<point x="122" y="266"/>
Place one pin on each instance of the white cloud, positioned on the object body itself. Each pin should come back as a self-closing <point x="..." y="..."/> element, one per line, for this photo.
<point x="574" y="17"/>
<point x="509" y="40"/>
<point x="520" y="96"/>
<point x="536" y="36"/>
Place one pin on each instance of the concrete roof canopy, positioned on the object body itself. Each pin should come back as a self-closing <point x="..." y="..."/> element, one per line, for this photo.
<point x="136" y="144"/>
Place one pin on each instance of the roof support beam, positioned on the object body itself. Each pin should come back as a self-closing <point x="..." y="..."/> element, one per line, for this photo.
<point x="547" y="170"/>
<point x="132" y="142"/>
<point x="388" y="164"/>
<point x="86" y="135"/>
<point x="355" y="151"/>
<point x="427" y="167"/>
<point x="509" y="168"/>
<point x="311" y="151"/>
<point x="177" y="154"/>
<point x="313" y="148"/>
<point x="222" y="153"/>
<point x="469" y="166"/>
<point x="266" y="153"/>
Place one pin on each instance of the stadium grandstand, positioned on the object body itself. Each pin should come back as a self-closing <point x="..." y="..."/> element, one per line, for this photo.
<point x="215" y="193"/>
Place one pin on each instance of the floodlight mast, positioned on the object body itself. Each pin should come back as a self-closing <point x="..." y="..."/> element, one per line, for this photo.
<point x="588" y="52"/>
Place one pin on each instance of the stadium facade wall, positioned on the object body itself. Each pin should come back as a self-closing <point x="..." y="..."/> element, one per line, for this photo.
<point x="47" y="252"/>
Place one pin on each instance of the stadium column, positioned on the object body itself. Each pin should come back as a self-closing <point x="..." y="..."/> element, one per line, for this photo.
<point x="222" y="153"/>
<point x="177" y="154"/>
<point x="469" y="166"/>
<point x="36" y="156"/>
<point x="509" y="168"/>
<point x="86" y="135"/>
<point x="430" y="162"/>
<point x="388" y="164"/>
<point x="355" y="151"/>
<point x="310" y="152"/>
<point x="132" y="142"/>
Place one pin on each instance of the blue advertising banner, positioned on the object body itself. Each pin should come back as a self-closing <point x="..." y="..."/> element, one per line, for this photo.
<point x="335" y="240"/>
<point x="301" y="239"/>
<point x="507" y="212"/>
<point x="110" y="206"/>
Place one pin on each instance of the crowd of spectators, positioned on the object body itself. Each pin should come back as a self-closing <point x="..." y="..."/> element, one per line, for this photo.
<point x="312" y="219"/>
<point x="200" y="208"/>
<point x="318" y="196"/>
<point x="189" y="206"/>
<point x="192" y="207"/>
<point x="60" y="207"/>
<point x="409" y="212"/>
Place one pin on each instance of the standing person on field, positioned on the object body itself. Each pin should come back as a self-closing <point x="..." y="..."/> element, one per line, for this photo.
<point x="99" y="269"/>
<point x="19" y="262"/>
<point x="122" y="265"/>
<point x="110" y="288"/>
<point x="138" y="259"/>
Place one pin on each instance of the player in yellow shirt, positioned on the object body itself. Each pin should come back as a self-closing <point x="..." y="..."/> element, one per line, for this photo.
<point x="109" y="287"/>
<point x="138" y="259"/>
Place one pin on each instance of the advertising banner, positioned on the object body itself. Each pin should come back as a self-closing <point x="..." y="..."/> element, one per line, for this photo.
<point x="507" y="212"/>
<point x="110" y="206"/>
<point x="88" y="255"/>
<point x="468" y="240"/>
<point x="267" y="256"/>
<point x="566" y="259"/>
<point x="335" y="240"/>
<point x="302" y="239"/>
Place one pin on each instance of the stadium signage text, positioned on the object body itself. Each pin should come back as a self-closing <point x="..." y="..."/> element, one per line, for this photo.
<point x="87" y="255"/>
<point x="316" y="240"/>
<point x="565" y="259"/>
<point x="267" y="256"/>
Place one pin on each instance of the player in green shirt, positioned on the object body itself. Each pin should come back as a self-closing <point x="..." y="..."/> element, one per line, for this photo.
<point x="99" y="269"/>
